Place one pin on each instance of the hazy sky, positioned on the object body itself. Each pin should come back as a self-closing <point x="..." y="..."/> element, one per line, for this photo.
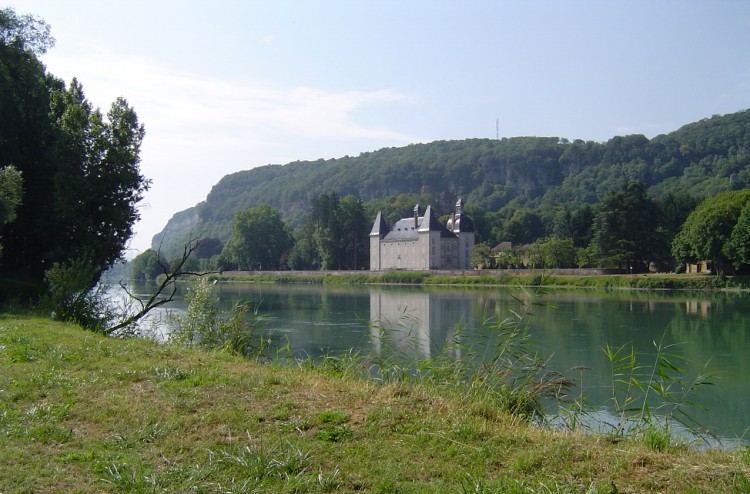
<point x="224" y="85"/>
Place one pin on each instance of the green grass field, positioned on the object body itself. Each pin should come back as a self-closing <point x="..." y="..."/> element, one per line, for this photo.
<point x="80" y="412"/>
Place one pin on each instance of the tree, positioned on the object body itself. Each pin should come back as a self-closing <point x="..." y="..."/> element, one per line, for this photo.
<point x="80" y="169"/>
<point x="525" y="226"/>
<point x="25" y="32"/>
<point x="481" y="257"/>
<point x="304" y="254"/>
<point x="675" y="208"/>
<point x="327" y="231"/>
<point x="707" y="232"/>
<point x="11" y="191"/>
<point x="557" y="252"/>
<point x="626" y="229"/>
<point x="147" y="265"/>
<point x="259" y="239"/>
<point x="354" y="230"/>
<point x="574" y="223"/>
<point x="333" y="235"/>
<point x="737" y="248"/>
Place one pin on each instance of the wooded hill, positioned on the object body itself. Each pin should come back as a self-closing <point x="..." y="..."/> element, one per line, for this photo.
<point x="541" y="174"/>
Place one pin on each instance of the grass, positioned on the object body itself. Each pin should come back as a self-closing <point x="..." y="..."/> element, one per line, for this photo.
<point x="653" y="281"/>
<point x="80" y="412"/>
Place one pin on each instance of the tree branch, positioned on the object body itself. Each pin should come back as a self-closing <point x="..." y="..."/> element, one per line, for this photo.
<point x="167" y="285"/>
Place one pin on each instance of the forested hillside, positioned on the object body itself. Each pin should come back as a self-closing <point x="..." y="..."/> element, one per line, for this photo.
<point x="531" y="181"/>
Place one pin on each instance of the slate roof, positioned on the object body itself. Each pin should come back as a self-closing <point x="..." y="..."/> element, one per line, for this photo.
<point x="405" y="231"/>
<point x="379" y="228"/>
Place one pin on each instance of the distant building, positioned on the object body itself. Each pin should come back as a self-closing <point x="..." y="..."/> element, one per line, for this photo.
<point x="700" y="267"/>
<point x="422" y="243"/>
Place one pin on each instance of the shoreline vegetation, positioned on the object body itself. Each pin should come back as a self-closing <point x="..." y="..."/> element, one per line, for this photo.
<point x="82" y="412"/>
<point x="526" y="277"/>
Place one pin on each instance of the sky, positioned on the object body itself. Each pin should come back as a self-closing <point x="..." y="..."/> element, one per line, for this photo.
<point x="228" y="85"/>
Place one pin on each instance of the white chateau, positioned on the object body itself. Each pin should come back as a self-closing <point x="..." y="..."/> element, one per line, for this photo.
<point x="422" y="243"/>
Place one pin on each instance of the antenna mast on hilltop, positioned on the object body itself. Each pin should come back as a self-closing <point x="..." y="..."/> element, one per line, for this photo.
<point x="497" y="129"/>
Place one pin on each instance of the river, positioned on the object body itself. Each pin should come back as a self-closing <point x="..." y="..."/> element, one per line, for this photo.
<point x="572" y="327"/>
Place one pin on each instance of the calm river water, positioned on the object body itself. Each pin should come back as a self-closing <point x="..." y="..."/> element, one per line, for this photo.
<point x="572" y="327"/>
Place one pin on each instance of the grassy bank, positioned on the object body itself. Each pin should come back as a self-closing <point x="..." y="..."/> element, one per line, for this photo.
<point x="498" y="278"/>
<point x="83" y="413"/>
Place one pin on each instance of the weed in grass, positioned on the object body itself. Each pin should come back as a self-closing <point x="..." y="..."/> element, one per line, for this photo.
<point x="128" y="478"/>
<point x="169" y="372"/>
<point x="294" y="424"/>
<point x="48" y="412"/>
<point x="468" y="430"/>
<point x="528" y="463"/>
<point x="330" y="482"/>
<point x="745" y="457"/>
<point x="335" y="434"/>
<point x="255" y="462"/>
<point x="283" y="411"/>
<point x="332" y="417"/>
<point x="657" y="438"/>
<point x="346" y="366"/>
<point x="52" y="434"/>
<point x="741" y="482"/>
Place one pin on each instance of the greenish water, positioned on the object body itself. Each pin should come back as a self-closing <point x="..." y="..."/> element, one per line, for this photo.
<point x="572" y="327"/>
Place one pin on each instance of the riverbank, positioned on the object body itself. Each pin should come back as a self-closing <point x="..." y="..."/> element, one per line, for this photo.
<point x="525" y="277"/>
<point x="84" y="413"/>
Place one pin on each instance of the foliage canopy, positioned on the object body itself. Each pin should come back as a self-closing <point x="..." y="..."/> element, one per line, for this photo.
<point x="80" y="167"/>
<point x="718" y="230"/>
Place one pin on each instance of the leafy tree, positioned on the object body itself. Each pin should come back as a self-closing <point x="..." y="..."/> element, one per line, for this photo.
<point x="574" y="223"/>
<point x="510" y="258"/>
<point x="334" y="235"/>
<point x="80" y="169"/>
<point x="482" y="226"/>
<point x="354" y="230"/>
<point x="626" y="229"/>
<point x="97" y="183"/>
<point x="737" y="248"/>
<point x="25" y="32"/>
<point x="304" y="254"/>
<point x="557" y="252"/>
<point x="481" y="256"/>
<point x="11" y="191"/>
<point x="327" y="231"/>
<point x="259" y="239"/>
<point x="586" y="257"/>
<point x="147" y="265"/>
<point x="525" y="226"/>
<point x="675" y="208"/>
<point x="707" y="232"/>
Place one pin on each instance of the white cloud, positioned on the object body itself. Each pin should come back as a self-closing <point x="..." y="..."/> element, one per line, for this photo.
<point x="184" y="105"/>
<point x="198" y="128"/>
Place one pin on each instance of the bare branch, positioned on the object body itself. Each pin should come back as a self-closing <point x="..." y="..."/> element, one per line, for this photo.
<point x="166" y="290"/>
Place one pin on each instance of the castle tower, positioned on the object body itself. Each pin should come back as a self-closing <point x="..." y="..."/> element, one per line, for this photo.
<point x="461" y="225"/>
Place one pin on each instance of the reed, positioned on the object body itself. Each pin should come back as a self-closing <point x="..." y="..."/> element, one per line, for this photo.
<point x="649" y="398"/>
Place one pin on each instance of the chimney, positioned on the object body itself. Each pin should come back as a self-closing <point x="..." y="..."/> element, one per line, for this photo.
<point x="416" y="216"/>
